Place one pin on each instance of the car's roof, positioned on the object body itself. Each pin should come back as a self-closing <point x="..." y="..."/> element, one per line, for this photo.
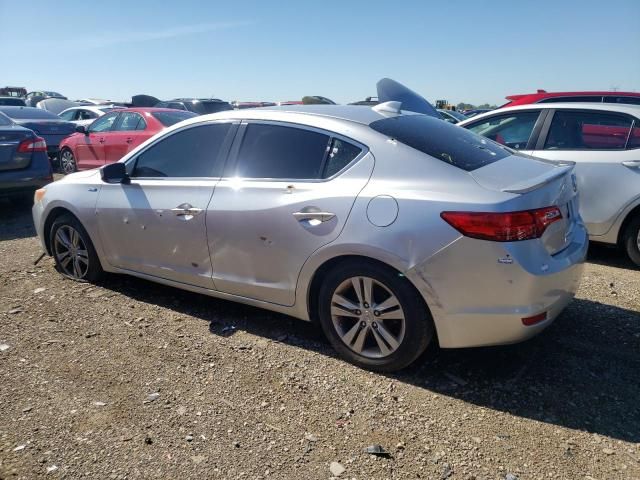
<point x="543" y="94"/>
<point x="352" y="113"/>
<point x="610" y="107"/>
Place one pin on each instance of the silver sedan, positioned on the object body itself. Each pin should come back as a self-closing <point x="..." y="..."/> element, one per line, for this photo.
<point x="393" y="230"/>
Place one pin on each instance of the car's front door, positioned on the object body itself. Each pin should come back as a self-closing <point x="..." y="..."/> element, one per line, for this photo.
<point x="127" y="133"/>
<point x="288" y="192"/>
<point x="596" y="141"/>
<point x="156" y="224"/>
<point x="90" y="147"/>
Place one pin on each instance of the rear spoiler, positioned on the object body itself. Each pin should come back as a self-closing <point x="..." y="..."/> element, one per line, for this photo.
<point x="533" y="183"/>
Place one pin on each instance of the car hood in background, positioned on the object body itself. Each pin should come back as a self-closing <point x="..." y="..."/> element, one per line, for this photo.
<point x="392" y="91"/>
<point x="56" y="105"/>
<point x="143" y="101"/>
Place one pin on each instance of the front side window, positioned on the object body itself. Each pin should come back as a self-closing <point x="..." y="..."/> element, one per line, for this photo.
<point x="279" y="152"/>
<point x="193" y="152"/>
<point x="104" y="123"/>
<point x="574" y="130"/>
<point x="512" y="130"/>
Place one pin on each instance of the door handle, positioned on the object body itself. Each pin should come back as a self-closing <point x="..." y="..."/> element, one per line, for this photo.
<point x="101" y="140"/>
<point x="632" y="163"/>
<point x="322" y="216"/>
<point x="129" y="140"/>
<point x="186" y="210"/>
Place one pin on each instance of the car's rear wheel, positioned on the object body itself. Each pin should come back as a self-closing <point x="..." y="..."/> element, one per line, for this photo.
<point x="631" y="240"/>
<point x="73" y="251"/>
<point x="373" y="316"/>
<point x="67" y="161"/>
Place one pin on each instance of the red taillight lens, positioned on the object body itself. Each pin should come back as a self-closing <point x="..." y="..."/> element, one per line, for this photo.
<point x="528" y="321"/>
<point x="32" y="145"/>
<point x="503" y="227"/>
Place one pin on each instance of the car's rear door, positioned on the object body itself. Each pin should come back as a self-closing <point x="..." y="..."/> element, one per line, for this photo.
<point x="155" y="225"/>
<point x="90" y="147"/>
<point x="287" y="192"/>
<point x="596" y="140"/>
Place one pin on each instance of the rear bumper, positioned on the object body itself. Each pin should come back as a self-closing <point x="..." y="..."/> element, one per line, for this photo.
<point x="477" y="298"/>
<point x="19" y="182"/>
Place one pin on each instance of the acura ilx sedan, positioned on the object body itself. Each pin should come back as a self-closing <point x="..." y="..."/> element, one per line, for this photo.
<point x="390" y="229"/>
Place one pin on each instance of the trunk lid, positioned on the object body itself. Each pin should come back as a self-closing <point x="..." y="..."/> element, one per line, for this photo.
<point x="10" y="138"/>
<point x="538" y="184"/>
<point x="53" y="131"/>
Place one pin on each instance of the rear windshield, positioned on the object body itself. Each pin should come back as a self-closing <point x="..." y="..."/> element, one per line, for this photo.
<point x="210" y="107"/>
<point x="28" y="113"/>
<point x="442" y="140"/>
<point x="170" y="118"/>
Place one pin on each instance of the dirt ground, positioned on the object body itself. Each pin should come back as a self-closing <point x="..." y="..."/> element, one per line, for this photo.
<point x="131" y="380"/>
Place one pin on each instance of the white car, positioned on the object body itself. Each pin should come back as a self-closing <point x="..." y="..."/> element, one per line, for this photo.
<point x="85" y="114"/>
<point x="604" y="141"/>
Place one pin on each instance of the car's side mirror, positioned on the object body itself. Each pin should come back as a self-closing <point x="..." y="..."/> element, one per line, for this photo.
<point x="115" y="173"/>
<point x="82" y="129"/>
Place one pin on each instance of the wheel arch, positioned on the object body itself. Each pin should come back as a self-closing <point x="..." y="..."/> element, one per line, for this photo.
<point x="635" y="211"/>
<point x="55" y="213"/>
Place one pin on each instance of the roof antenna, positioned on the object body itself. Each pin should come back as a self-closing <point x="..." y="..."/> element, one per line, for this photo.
<point x="388" y="107"/>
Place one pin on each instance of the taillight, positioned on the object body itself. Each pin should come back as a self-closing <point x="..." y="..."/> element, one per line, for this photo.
<point x="503" y="227"/>
<point x="32" y="145"/>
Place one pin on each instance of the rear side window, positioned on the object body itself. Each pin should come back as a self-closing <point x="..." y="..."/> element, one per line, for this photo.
<point x="573" y="130"/>
<point x="341" y="154"/>
<point x="446" y="142"/>
<point x="513" y="130"/>
<point x="170" y="118"/>
<point x="193" y="152"/>
<point x="274" y="151"/>
<point x="128" y="121"/>
<point x="623" y="99"/>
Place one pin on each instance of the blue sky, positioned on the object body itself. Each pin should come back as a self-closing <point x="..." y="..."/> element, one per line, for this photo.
<point x="474" y="51"/>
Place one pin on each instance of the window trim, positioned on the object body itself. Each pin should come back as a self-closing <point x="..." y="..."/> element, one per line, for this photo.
<point x="232" y="161"/>
<point x="224" y="150"/>
<point x="542" y="140"/>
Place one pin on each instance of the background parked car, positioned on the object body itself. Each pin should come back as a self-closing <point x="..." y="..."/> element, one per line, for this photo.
<point x="475" y="111"/>
<point x="199" y="106"/>
<point x="368" y="102"/>
<point x="604" y="141"/>
<point x="13" y="101"/>
<point x="32" y="98"/>
<point x="451" y="116"/>
<point x="24" y="164"/>
<point x="20" y="92"/>
<point x="86" y="114"/>
<point x="114" y="134"/>
<point x="45" y="124"/>
<point x="55" y="105"/>
<point x="542" y="96"/>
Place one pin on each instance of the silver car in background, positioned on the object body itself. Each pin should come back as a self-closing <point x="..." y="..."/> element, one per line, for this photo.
<point x="390" y="229"/>
<point x="602" y="139"/>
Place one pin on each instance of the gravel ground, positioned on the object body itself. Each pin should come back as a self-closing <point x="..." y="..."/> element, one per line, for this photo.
<point x="135" y="380"/>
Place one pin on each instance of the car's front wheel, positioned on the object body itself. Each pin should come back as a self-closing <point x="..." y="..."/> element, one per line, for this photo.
<point x="631" y="240"/>
<point x="67" y="161"/>
<point x="72" y="250"/>
<point x="373" y="316"/>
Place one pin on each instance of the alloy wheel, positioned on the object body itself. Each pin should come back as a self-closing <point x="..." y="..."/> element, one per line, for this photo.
<point x="368" y="317"/>
<point x="67" y="162"/>
<point x="71" y="252"/>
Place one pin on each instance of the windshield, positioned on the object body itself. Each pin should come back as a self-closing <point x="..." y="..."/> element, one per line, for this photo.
<point x="21" y="113"/>
<point x="4" y="120"/>
<point x="170" y="118"/>
<point x="444" y="141"/>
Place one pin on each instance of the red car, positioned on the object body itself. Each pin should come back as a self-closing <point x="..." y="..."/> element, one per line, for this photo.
<point x="542" y="96"/>
<point x="113" y="135"/>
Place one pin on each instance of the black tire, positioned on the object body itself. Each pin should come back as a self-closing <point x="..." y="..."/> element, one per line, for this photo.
<point x="418" y="324"/>
<point x="67" y="161"/>
<point x="631" y="240"/>
<point x="89" y="268"/>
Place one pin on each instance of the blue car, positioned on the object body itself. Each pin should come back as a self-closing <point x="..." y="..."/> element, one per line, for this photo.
<point x="24" y="164"/>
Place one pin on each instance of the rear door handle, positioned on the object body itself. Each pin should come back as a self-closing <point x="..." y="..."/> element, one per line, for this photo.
<point x="101" y="140"/>
<point x="322" y="216"/>
<point x="632" y="163"/>
<point x="129" y="140"/>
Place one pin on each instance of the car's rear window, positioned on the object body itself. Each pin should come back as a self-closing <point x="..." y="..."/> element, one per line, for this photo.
<point x="442" y="140"/>
<point x="28" y="113"/>
<point x="211" y="107"/>
<point x="171" y="118"/>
